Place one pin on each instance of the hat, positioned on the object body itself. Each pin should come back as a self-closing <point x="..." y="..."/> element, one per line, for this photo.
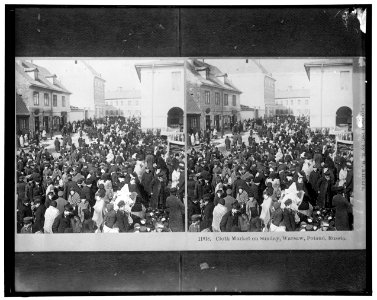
<point x="228" y="191"/>
<point x="121" y="203"/>
<point x="222" y="201"/>
<point x="60" y="193"/>
<point x="137" y="226"/>
<point x="288" y="202"/>
<point x="101" y="193"/>
<point x="327" y="173"/>
<point x="195" y="218"/>
<point x="173" y="190"/>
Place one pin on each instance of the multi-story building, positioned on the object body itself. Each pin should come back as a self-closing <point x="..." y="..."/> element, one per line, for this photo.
<point x="213" y="101"/>
<point x="334" y="86"/>
<point x="162" y="95"/>
<point x="294" y="102"/>
<point x="85" y="83"/>
<point x="255" y="82"/>
<point x="126" y="102"/>
<point x="42" y="102"/>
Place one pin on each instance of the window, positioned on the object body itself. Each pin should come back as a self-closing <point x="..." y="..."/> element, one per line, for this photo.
<point x="176" y="80"/>
<point x="36" y="98"/>
<point x="207" y="97"/>
<point x="63" y="101"/>
<point x="234" y="101"/>
<point x="47" y="99"/>
<point x="129" y="102"/>
<point x="298" y="101"/>
<point x="306" y="101"/>
<point x="54" y="100"/>
<point x="137" y="102"/>
<point x="225" y="99"/>
<point x="286" y="102"/>
<point x="121" y="102"/>
<point x="193" y="123"/>
<point x="217" y="98"/>
<point x="344" y="80"/>
<point x="291" y="101"/>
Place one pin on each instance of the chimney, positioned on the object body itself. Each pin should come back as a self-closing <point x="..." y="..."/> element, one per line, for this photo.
<point x="222" y="77"/>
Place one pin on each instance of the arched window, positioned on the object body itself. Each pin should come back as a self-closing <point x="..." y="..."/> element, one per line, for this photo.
<point x="344" y="117"/>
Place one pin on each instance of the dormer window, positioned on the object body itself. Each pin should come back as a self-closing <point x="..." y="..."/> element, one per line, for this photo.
<point x="51" y="79"/>
<point x="203" y="71"/>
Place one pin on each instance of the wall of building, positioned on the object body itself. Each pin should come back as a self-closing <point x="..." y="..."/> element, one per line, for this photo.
<point x="218" y="109"/>
<point x="50" y="111"/>
<point x="252" y="87"/>
<point x="247" y="114"/>
<point x="76" y="115"/>
<point x="129" y="106"/>
<point x="325" y="101"/>
<point x="159" y="95"/>
<point x="295" y="106"/>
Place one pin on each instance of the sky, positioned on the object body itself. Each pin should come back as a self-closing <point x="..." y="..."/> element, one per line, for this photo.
<point x="286" y="71"/>
<point x="122" y="73"/>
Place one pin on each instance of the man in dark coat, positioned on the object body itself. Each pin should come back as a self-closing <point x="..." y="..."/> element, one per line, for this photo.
<point x="207" y="213"/>
<point x="57" y="144"/>
<point x="230" y="222"/>
<point x="324" y="190"/>
<point x="289" y="216"/>
<point x="39" y="216"/>
<point x="176" y="210"/>
<point x="343" y="210"/>
<point x="62" y="223"/>
<point x="122" y="218"/>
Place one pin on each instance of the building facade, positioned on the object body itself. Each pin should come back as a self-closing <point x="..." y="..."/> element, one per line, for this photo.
<point x="332" y="93"/>
<point x="255" y="82"/>
<point x="162" y="95"/>
<point x="42" y="102"/>
<point x="294" y="102"/>
<point x="126" y="102"/>
<point x="213" y="101"/>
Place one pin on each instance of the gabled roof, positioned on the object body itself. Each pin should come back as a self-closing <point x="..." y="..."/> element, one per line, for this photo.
<point x="192" y="107"/>
<point x="293" y="93"/>
<point x="24" y="69"/>
<point x="194" y="66"/>
<point x="327" y="63"/>
<point x="246" y="108"/>
<point x="21" y="108"/>
<point x="123" y="94"/>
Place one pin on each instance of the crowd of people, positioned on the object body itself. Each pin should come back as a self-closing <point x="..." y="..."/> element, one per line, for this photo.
<point x="117" y="178"/>
<point x="286" y="177"/>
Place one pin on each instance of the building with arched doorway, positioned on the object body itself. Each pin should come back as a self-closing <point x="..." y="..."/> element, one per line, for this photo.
<point x="332" y="92"/>
<point x="162" y="95"/>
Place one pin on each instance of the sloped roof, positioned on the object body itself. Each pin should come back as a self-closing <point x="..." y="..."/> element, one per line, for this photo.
<point x="21" y="108"/>
<point x="194" y="66"/>
<point x="123" y="94"/>
<point x="246" y="108"/>
<point x="42" y="80"/>
<point x="192" y="107"/>
<point x="157" y="64"/>
<point x="293" y="93"/>
<point x="327" y="63"/>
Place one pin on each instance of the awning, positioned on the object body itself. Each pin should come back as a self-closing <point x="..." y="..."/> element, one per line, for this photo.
<point x="21" y="109"/>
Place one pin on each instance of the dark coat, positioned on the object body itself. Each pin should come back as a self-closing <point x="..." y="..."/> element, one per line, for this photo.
<point x="176" y="210"/>
<point x="342" y="210"/>
<point x="289" y="220"/>
<point x="39" y="218"/>
<point x="122" y="221"/>
<point x="325" y="194"/>
<point x="230" y="223"/>
<point x="207" y="216"/>
<point x="62" y="224"/>
<point x="146" y="182"/>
